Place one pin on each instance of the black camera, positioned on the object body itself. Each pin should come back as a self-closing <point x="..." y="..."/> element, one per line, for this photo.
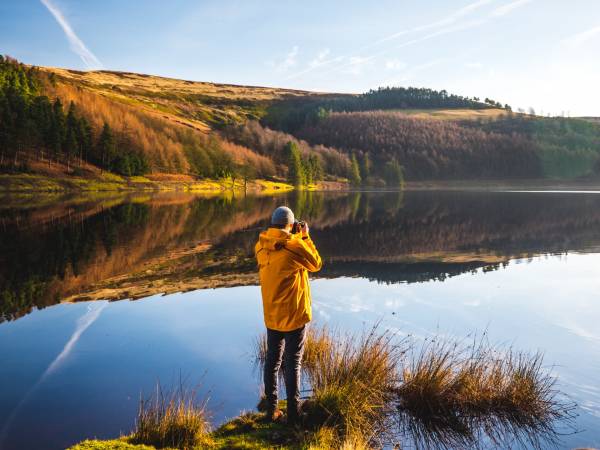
<point x="297" y="226"/>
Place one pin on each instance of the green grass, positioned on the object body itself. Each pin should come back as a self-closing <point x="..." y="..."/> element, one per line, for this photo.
<point x="109" y="182"/>
<point x="115" y="444"/>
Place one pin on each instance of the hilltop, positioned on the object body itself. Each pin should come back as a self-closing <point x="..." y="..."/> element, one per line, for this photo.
<point x="70" y="124"/>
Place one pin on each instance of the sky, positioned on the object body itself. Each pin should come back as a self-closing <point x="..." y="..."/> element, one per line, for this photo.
<point x="541" y="54"/>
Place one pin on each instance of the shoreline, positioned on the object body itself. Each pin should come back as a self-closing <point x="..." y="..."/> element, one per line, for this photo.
<point x="24" y="184"/>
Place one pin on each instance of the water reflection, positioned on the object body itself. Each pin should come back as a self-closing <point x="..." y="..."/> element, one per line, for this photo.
<point x="132" y="247"/>
<point x="479" y="244"/>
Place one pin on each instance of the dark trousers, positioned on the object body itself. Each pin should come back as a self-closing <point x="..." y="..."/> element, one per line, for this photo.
<point x="286" y="346"/>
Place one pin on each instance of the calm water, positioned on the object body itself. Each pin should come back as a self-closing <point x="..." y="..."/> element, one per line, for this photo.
<point x="524" y="266"/>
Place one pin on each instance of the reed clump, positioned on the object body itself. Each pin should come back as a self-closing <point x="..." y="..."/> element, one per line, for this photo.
<point x="454" y="394"/>
<point x="375" y="389"/>
<point x="172" y="419"/>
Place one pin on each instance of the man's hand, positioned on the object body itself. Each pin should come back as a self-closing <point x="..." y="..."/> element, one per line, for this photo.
<point x="304" y="230"/>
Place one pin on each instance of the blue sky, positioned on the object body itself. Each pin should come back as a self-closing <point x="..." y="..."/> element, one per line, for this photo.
<point x="530" y="53"/>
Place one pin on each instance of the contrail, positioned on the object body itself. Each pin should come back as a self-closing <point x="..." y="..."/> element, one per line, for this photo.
<point x="77" y="45"/>
<point x="505" y="9"/>
<point x="448" y="20"/>
<point x="582" y="37"/>
<point x="82" y="324"/>
<point x="445" y="21"/>
<point x="446" y="25"/>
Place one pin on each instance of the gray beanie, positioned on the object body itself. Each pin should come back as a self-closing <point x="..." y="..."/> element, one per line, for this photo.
<point x="282" y="216"/>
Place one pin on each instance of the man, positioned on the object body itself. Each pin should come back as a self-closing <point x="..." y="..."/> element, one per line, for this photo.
<point x="285" y="256"/>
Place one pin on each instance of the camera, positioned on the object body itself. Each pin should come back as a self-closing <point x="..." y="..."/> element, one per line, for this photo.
<point x="297" y="226"/>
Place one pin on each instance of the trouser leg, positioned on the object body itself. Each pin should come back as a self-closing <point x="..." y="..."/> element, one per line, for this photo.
<point x="294" y="347"/>
<point x="275" y="343"/>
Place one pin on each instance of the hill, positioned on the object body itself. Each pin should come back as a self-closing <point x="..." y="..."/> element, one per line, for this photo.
<point x="69" y="123"/>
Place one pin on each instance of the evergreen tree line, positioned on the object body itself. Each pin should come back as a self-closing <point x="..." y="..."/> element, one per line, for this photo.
<point x="32" y="124"/>
<point x="291" y="115"/>
<point x="403" y="98"/>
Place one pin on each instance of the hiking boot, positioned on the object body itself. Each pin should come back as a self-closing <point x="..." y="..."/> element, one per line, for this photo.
<point x="295" y="419"/>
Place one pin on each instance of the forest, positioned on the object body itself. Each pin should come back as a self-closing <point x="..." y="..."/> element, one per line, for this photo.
<point x="37" y="126"/>
<point x="34" y="124"/>
<point x="426" y="149"/>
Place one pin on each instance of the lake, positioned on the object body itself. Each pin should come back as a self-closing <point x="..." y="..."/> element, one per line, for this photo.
<point x="522" y="266"/>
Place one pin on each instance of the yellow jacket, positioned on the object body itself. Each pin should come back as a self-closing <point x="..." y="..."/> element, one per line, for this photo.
<point x="284" y="261"/>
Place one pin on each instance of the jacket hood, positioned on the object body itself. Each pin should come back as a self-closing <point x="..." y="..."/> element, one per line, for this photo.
<point x="273" y="239"/>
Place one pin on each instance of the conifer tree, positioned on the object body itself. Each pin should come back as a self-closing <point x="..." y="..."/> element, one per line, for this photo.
<point x="106" y="147"/>
<point x="296" y="174"/>
<point x="354" y="171"/>
<point x="365" y="167"/>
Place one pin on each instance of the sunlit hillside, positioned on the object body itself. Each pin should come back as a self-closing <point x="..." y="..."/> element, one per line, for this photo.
<point x="84" y="123"/>
<point x="199" y="104"/>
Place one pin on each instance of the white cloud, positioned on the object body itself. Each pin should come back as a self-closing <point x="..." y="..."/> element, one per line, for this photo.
<point x="394" y="64"/>
<point x="505" y="9"/>
<point x="474" y="65"/>
<point x="356" y="64"/>
<point x="320" y="59"/>
<point x="412" y="72"/>
<point x="581" y="38"/>
<point x="77" y="45"/>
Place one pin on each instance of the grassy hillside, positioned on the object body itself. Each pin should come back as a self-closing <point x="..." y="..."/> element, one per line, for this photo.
<point x="66" y="123"/>
<point x="196" y="104"/>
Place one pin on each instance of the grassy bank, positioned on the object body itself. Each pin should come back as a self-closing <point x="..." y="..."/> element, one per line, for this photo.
<point x="24" y="183"/>
<point x="109" y="182"/>
<point x="372" y="390"/>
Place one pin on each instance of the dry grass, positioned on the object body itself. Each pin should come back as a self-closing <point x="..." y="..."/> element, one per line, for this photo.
<point x="443" y="394"/>
<point x="455" y="114"/>
<point x="454" y="395"/>
<point x="172" y="420"/>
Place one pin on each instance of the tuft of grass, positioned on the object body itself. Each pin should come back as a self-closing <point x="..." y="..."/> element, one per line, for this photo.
<point x="352" y="380"/>
<point x="454" y="394"/>
<point x="172" y="420"/>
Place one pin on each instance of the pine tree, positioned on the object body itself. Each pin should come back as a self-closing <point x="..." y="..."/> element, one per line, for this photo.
<point x="57" y="129"/>
<point x="296" y="174"/>
<point x="316" y="168"/>
<point x="71" y="144"/>
<point x="84" y="138"/>
<point x="106" y="147"/>
<point x="394" y="173"/>
<point x="354" y="171"/>
<point x="365" y="167"/>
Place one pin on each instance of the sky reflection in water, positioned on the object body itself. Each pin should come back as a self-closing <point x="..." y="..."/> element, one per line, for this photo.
<point x="112" y="351"/>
